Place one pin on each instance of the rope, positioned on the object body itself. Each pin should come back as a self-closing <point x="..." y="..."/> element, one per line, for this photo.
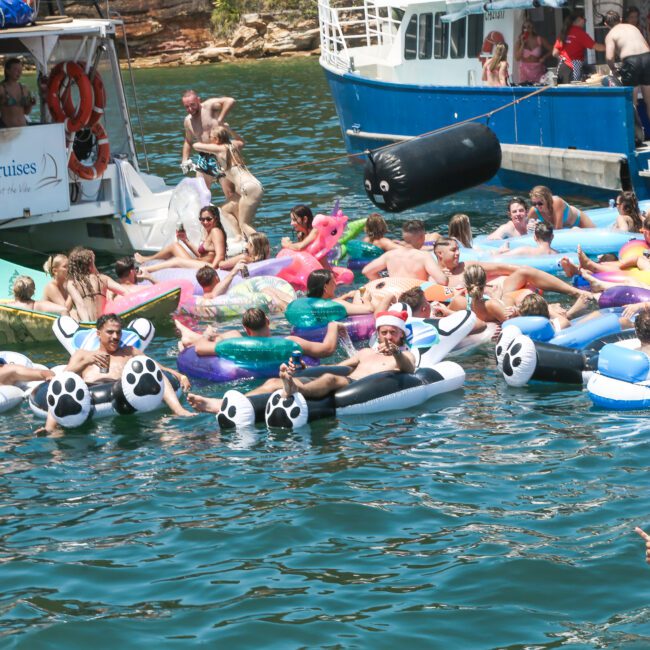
<point x="441" y="129"/>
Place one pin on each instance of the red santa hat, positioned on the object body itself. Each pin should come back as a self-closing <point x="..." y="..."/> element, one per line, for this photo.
<point x="395" y="318"/>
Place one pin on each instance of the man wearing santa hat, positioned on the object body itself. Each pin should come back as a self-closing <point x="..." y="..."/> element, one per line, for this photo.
<point x="389" y="353"/>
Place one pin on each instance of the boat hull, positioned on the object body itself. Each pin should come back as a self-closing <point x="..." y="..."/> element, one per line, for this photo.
<point x="540" y="134"/>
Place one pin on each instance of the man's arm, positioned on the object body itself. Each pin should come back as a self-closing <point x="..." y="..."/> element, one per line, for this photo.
<point x="222" y="104"/>
<point x="374" y="268"/>
<point x="434" y="271"/>
<point x="610" y="52"/>
<point x="81" y="359"/>
<point x="320" y="349"/>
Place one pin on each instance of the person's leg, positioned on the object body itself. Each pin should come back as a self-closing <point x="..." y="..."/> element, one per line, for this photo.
<point x="171" y="250"/>
<point x="319" y="387"/>
<point x="229" y="191"/>
<point x="177" y="263"/>
<point x="539" y="279"/>
<point x="268" y="386"/>
<point x="229" y="219"/>
<point x="204" y="404"/>
<point x="207" y="179"/>
<point x="252" y="193"/>
<point x="170" y="398"/>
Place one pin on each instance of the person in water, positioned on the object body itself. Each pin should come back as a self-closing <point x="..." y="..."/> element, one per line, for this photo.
<point x="376" y="229"/>
<point x="23" y="290"/>
<point x="87" y="287"/>
<point x="56" y="290"/>
<point x="108" y="361"/>
<point x="518" y="225"/>
<point x="389" y="353"/>
<point x="407" y="261"/>
<point x="630" y="218"/>
<point x="555" y="210"/>
<point x="16" y="101"/>
<point x="543" y="237"/>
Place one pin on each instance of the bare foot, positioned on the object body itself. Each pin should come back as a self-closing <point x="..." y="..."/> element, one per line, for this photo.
<point x="184" y="413"/>
<point x="140" y="259"/>
<point x="288" y="382"/>
<point x="569" y="268"/>
<point x="204" y="404"/>
<point x="585" y="262"/>
<point x="596" y="285"/>
<point x="188" y="337"/>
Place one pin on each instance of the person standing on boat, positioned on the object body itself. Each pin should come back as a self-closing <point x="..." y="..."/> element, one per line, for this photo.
<point x="16" y="101"/>
<point x="555" y="210"/>
<point x="201" y="118"/>
<point x="531" y="50"/>
<point x="570" y="48"/>
<point x="495" y="70"/>
<point x="626" y="42"/>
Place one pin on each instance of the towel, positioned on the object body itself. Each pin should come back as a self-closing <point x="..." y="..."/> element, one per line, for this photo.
<point x="124" y="193"/>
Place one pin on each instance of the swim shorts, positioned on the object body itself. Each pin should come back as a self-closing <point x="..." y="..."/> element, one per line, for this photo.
<point x="208" y="164"/>
<point x="635" y="70"/>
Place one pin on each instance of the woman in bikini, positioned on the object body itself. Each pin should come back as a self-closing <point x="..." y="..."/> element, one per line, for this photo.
<point x="56" y="291"/>
<point x="86" y="286"/>
<point x="630" y="218"/>
<point x="16" y="101"/>
<point x="495" y="70"/>
<point x="23" y="289"/>
<point x="226" y="147"/>
<point x="531" y="51"/>
<point x="376" y="229"/>
<point x="555" y="210"/>
<point x="211" y="250"/>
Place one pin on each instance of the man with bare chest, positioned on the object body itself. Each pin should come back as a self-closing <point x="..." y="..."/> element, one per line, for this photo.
<point x="201" y="118"/>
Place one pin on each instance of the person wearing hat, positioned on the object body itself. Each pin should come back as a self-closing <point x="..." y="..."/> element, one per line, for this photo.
<point x="389" y="353"/>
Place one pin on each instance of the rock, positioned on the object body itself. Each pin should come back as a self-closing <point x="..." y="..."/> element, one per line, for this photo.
<point x="243" y="36"/>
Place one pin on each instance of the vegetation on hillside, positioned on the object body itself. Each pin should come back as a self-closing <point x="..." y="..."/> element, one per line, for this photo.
<point x="227" y="13"/>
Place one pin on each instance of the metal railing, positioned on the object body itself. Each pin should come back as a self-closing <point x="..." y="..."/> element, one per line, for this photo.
<point x="339" y="30"/>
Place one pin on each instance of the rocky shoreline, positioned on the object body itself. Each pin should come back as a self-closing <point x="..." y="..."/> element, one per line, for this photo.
<point x="179" y="32"/>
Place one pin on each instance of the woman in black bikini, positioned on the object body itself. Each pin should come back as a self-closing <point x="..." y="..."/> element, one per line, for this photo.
<point x="86" y="286"/>
<point x="211" y="250"/>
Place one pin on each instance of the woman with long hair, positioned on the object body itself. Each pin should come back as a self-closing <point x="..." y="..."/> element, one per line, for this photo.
<point x="495" y="69"/>
<point x="460" y="229"/>
<point x="630" y="218"/>
<point x="376" y="229"/>
<point x="257" y="249"/>
<point x="23" y="290"/>
<point x="211" y="250"/>
<point x="570" y="47"/>
<point x="226" y="146"/>
<point x="87" y="286"/>
<point x="555" y="210"/>
<point x="301" y="221"/>
<point x="531" y="50"/>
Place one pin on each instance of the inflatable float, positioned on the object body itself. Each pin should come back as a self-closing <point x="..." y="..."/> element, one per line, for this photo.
<point x="521" y="358"/>
<point x="622" y="379"/>
<point x="376" y="393"/>
<point x="12" y="396"/>
<point x="360" y="253"/>
<point x="73" y="402"/>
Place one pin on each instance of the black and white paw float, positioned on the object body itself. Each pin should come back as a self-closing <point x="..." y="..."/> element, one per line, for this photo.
<point x="519" y="361"/>
<point x="141" y="387"/>
<point x="505" y="338"/>
<point x="68" y="399"/>
<point x="236" y="411"/>
<point x="286" y="412"/>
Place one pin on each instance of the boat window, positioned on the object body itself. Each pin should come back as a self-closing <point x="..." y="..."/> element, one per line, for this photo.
<point x="441" y="37"/>
<point x="411" y="38"/>
<point x="425" y="36"/>
<point x="474" y="35"/>
<point x="457" y="49"/>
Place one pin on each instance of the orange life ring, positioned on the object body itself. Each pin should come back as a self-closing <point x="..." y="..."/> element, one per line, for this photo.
<point x="58" y="105"/>
<point x="99" y="100"/>
<point x="490" y="41"/>
<point x="91" y="172"/>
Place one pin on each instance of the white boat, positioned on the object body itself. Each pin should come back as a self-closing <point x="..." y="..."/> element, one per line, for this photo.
<point x="44" y="204"/>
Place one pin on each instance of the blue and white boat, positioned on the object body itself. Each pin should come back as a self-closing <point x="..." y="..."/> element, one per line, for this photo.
<point x="402" y="68"/>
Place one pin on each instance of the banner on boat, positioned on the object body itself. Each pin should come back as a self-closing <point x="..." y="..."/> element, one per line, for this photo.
<point x="33" y="171"/>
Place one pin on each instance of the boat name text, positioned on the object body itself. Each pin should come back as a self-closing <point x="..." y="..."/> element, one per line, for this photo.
<point x="495" y="15"/>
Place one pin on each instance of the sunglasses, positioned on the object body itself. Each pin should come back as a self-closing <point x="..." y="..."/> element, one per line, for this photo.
<point x="202" y="219"/>
<point x="537" y="203"/>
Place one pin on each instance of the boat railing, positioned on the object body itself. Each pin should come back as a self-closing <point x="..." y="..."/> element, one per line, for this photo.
<point x="342" y="28"/>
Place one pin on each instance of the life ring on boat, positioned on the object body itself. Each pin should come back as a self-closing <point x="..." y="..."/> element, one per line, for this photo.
<point x="62" y="109"/>
<point x="91" y="172"/>
<point x="98" y="103"/>
<point x="490" y="41"/>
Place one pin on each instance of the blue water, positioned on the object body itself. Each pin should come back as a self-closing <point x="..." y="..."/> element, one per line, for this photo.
<point x="491" y="518"/>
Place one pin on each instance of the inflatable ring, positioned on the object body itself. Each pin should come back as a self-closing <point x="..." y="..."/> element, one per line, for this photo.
<point x="58" y="108"/>
<point x="490" y="41"/>
<point x="91" y="172"/>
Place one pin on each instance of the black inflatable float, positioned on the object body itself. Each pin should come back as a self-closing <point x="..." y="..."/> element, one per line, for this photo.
<point x="411" y="173"/>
